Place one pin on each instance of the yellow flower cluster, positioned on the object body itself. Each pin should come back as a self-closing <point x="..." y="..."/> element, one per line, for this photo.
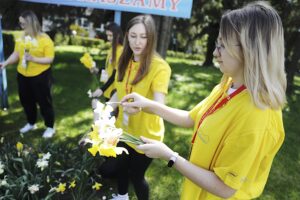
<point x="87" y="61"/>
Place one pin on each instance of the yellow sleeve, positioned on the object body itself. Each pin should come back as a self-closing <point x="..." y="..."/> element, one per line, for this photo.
<point x="49" y="48"/>
<point x="161" y="80"/>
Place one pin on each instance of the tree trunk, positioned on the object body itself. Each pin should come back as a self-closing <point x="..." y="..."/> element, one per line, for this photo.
<point x="213" y="32"/>
<point x="292" y="65"/>
<point x="164" y="25"/>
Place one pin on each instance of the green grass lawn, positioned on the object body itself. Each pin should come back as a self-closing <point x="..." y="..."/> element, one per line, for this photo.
<point x="189" y="85"/>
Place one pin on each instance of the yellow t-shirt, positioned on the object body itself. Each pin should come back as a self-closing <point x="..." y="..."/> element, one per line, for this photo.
<point x="110" y="67"/>
<point x="157" y="80"/>
<point x="238" y="142"/>
<point x="41" y="46"/>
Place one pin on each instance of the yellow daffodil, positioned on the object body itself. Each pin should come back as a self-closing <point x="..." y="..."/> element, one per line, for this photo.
<point x="87" y="61"/>
<point x="94" y="149"/>
<point x="19" y="146"/>
<point x="97" y="186"/>
<point x="110" y="150"/>
<point x="61" y="188"/>
<point x="27" y="46"/>
<point x="94" y="135"/>
<point x="72" y="184"/>
<point x="27" y="43"/>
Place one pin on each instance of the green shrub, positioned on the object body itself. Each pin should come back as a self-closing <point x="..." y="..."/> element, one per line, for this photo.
<point x="63" y="163"/>
<point x="87" y="42"/>
<point x="79" y="30"/>
<point x="61" y="39"/>
<point x="177" y="54"/>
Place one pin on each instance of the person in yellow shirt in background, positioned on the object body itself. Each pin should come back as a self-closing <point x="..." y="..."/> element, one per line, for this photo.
<point x="238" y="128"/>
<point x="143" y="71"/>
<point x="34" y="52"/>
<point x="115" y="37"/>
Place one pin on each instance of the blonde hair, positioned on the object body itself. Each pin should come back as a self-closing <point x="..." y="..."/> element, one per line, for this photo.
<point x="258" y="30"/>
<point x="32" y="21"/>
<point x="147" y="54"/>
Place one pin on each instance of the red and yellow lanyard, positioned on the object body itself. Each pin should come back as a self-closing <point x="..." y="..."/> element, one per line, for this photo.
<point x="215" y="106"/>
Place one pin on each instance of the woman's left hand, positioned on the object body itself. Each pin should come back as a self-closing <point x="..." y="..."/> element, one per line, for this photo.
<point x="155" y="149"/>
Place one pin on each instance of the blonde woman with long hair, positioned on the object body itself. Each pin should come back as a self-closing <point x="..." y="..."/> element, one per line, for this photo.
<point x="34" y="53"/>
<point x="238" y="128"/>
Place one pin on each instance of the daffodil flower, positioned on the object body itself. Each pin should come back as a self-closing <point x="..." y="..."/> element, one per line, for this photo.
<point x="97" y="186"/>
<point x="33" y="188"/>
<point x="94" y="149"/>
<point x="111" y="151"/>
<point x="87" y="61"/>
<point x="3" y="182"/>
<point x="19" y="146"/>
<point x="104" y="136"/>
<point x="61" y="188"/>
<point x="72" y="184"/>
<point x="27" y="42"/>
<point x="42" y="164"/>
<point x="89" y="92"/>
<point x="46" y="156"/>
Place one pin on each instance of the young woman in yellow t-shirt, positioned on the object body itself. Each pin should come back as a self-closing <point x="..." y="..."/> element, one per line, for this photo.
<point x="143" y="71"/>
<point x="115" y="37"/>
<point x="238" y="128"/>
<point x="34" y="52"/>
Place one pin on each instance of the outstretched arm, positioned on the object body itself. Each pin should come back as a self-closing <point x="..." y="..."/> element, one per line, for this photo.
<point x="173" y="115"/>
<point x="204" y="178"/>
<point x="13" y="58"/>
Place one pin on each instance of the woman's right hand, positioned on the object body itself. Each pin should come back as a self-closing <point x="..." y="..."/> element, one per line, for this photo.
<point x="97" y="93"/>
<point x="2" y="65"/>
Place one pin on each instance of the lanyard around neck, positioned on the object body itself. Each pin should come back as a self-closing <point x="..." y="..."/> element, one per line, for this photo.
<point x="128" y="86"/>
<point x="215" y="106"/>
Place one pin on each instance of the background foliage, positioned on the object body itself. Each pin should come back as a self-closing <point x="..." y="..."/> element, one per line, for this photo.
<point x="189" y="84"/>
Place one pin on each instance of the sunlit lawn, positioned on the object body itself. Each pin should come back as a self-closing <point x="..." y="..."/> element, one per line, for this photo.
<point x="189" y="85"/>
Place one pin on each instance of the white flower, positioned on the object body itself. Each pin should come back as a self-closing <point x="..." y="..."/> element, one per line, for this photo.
<point x="33" y="188"/>
<point x="25" y="153"/>
<point x="1" y="168"/>
<point x="104" y="197"/>
<point x="3" y="182"/>
<point x="99" y="107"/>
<point x="46" y="156"/>
<point x="41" y="163"/>
<point x="90" y="93"/>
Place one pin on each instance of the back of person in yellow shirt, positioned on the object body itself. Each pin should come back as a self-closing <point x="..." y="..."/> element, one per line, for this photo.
<point x="238" y="128"/>
<point x="143" y="71"/>
<point x="115" y="37"/>
<point x="34" y="52"/>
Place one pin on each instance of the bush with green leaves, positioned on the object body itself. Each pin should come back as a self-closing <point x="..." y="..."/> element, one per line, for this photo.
<point x="49" y="171"/>
<point x="177" y="54"/>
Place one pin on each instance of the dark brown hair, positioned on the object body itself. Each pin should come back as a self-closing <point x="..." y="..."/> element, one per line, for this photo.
<point x="117" y="39"/>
